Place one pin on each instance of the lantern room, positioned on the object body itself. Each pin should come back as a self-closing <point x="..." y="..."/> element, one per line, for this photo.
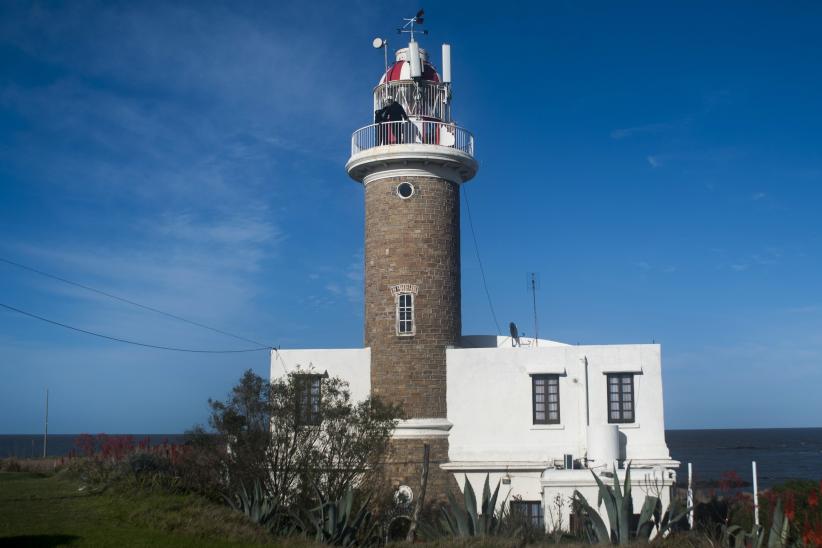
<point x="424" y="97"/>
<point x="412" y="122"/>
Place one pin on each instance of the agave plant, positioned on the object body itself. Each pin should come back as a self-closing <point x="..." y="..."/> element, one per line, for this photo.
<point x="334" y="522"/>
<point x="256" y="505"/>
<point x="734" y="535"/>
<point x="472" y="521"/>
<point x="619" y="508"/>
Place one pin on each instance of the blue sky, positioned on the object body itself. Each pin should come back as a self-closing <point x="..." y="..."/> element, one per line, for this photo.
<point x="658" y="163"/>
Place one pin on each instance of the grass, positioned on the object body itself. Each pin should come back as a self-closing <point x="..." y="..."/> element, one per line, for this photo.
<point x="39" y="509"/>
<point x="50" y="510"/>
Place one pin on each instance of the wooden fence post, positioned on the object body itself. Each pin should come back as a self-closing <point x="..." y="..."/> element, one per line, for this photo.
<point x="412" y="529"/>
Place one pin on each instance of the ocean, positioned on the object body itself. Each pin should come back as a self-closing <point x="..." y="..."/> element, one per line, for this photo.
<point x="781" y="453"/>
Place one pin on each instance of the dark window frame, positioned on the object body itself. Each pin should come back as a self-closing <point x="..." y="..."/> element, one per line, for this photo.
<point x="308" y="410"/>
<point x="547" y="379"/>
<point x="525" y="509"/>
<point x="620" y="400"/>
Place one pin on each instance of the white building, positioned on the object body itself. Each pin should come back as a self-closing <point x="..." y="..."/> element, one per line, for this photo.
<point x="538" y="416"/>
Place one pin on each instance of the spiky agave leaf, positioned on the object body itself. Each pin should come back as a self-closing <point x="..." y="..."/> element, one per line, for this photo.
<point x="627" y="507"/>
<point x="620" y="534"/>
<point x="486" y="494"/>
<point x="646" y="523"/>
<point x="597" y="526"/>
<point x="607" y="496"/>
<point x="470" y="506"/>
<point x="779" y="528"/>
<point x="492" y="508"/>
<point x="459" y="517"/>
<point x="672" y="516"/>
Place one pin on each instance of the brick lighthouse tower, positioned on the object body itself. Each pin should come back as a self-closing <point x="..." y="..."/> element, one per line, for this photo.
<point x="411" y="164"/>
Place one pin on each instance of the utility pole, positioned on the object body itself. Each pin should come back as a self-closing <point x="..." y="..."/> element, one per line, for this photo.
<point x="46" y="429"/>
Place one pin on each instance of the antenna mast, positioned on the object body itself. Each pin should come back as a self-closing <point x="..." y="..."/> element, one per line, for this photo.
<point x="532" y="286"/>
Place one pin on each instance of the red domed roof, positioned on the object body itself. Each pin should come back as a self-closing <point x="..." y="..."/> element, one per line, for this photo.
<point x="401" y="70"/>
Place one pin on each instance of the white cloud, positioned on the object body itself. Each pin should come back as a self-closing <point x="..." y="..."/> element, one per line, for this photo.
<point x="624" y="133"/>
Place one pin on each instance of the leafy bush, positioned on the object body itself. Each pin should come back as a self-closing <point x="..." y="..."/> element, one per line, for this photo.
<point x="267" y="441"/>
<point x="10" y="465"/>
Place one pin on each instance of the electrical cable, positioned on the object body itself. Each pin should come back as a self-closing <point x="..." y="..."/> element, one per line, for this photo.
<point x="482" y="270"/>
<point x="127" y="301"/>
<point x="136" y="343"/>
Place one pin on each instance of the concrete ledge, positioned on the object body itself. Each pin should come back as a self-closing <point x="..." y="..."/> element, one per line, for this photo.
<point x="422" y="429"/>
<point x="495" y="465"/>
<point x="411" y="159"/>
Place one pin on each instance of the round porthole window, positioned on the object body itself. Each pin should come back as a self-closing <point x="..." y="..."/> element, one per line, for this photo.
<point x="405" y="190"/>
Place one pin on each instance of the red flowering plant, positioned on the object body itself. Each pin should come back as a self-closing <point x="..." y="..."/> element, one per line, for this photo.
<point x="732" y="503"/>
<point x="800" y="501"/>
<point x="109" y="459"/>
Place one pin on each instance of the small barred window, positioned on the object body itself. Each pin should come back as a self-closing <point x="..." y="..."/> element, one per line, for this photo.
<point x="529" y="511"/>
<point x="545" y="393"/>
<point x="405" y="314"/>
<point x="308" y="399"/>
<point x="621" y="397"/>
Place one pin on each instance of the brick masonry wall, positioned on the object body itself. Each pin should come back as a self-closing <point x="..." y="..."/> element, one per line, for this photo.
<point x="404" y="467"/>
<point x="413" y="241"/>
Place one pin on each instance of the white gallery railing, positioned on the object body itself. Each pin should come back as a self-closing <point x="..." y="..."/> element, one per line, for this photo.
<point x="412" y="132"/>
<point x="426" y="100"/>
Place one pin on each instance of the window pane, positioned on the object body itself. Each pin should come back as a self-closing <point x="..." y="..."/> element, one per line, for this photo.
<point x="545" y="399"/>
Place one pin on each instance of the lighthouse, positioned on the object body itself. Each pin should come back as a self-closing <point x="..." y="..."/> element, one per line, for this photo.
<point x="411" y="163"/>
<point x="535" y="417"/>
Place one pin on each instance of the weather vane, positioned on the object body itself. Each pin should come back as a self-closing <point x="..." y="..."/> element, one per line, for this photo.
<point x="411" y="21"/>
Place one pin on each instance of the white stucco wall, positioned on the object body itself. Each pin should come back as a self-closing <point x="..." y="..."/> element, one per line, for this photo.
<point x="489" y="402"/>
<point x="350" y="364"/>
<point x="559" y="486"/>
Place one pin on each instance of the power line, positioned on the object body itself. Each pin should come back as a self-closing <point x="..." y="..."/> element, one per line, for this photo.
<point x="482" y="270"/>
<point x="128" y="301"/>
<point x="136" y="343"/>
